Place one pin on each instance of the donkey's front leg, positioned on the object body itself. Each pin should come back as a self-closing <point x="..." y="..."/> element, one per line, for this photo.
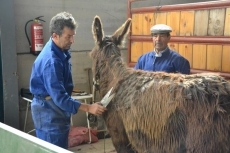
<point x="118" y="135"/>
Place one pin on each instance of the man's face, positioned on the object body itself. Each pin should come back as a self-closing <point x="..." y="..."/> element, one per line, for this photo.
<point x="160" y="41"/>
<point x="66" y="39"/>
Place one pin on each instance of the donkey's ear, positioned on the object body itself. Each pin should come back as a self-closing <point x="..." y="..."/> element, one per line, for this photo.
<point x="121" y="32"/>
<point x="97" y="30"/>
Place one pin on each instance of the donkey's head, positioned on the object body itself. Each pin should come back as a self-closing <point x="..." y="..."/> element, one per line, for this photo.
<point x="106" y="47"/>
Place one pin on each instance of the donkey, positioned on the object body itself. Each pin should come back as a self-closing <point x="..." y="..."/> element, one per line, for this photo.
<point x="157" y="112"/>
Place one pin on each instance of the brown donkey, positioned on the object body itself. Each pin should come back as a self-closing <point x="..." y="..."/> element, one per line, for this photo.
<point x="157" y="112"/>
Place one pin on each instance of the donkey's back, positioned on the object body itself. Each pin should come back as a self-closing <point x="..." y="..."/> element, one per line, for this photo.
<point x="177" y="113"/>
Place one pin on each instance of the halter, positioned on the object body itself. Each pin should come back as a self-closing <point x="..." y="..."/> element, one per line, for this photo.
<point x="96" y="85"/>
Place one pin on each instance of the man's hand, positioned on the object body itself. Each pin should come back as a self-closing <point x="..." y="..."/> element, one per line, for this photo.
<point x="95" y="108"/>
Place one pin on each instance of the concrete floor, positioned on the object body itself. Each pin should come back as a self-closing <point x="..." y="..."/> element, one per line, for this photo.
<point x="102" y="146"/>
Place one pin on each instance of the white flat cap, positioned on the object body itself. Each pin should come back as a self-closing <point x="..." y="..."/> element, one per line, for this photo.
<point x="160" y="28"/>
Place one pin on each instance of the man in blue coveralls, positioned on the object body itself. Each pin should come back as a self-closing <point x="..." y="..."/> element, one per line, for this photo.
<point x="51" y="84"/>
<point x="162" y="58"/>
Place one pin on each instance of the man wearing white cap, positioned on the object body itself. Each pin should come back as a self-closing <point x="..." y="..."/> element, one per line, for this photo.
<point x="162" y="58"/>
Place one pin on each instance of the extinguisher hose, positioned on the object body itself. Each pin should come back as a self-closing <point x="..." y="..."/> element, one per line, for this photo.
<point x="26" y="32"/>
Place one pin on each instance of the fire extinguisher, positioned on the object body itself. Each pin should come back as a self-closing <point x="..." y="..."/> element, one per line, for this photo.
<point x="37" y="42"/>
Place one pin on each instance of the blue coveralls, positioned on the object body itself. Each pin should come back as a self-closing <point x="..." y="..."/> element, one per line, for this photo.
<point x="168" y="61"/>
<point x="51" y="76"/>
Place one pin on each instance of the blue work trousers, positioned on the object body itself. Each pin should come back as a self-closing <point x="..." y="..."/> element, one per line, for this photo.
<point x="51" y="123"/>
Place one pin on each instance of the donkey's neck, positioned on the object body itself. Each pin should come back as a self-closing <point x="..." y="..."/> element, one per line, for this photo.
<point x="117" y="66"/>
<point x="114" y="70"/>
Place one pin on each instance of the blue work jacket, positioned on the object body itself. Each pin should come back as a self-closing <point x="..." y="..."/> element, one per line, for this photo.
<point x="51" y="76"/>
<point x="168" y="61"/>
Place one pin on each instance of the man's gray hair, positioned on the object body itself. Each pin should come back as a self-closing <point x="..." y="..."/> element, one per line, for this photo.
<point x="61" y="20"/>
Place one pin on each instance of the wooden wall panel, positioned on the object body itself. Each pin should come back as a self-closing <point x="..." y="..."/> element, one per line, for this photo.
<point x="186" y="23"/>
<point x="137" y="24"/>
<point x="160" y="18"/>
<point x="226" y="58"/>
<point x="199" y="59"/>
<point x="137" y="51"/>
<point x="201" y="18"/>
<point x="186" y="51"/>
<point x="173" y="46"/>
<point x="214" y="55"/>
<point x="227" y="23"/>
<point x="148" y="22"/>
<point x="216" y="22"/>
<point x="200" y="33"/>
<point x="147" y="47"/>
<point x="173" y="20"/>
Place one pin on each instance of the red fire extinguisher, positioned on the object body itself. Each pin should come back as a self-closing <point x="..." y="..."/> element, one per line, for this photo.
<point x="37" y="42"/>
